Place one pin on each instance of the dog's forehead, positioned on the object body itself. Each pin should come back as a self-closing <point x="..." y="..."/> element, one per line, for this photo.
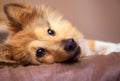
<point x="60" y="33"/>
<point x="47" y="18"/>
<point x="43" y="44"/>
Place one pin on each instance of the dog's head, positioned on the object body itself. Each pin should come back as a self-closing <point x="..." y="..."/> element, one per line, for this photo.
<point x="40" y="35"/>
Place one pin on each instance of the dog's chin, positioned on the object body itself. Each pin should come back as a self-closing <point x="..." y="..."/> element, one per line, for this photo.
<point x="75" y="57"/>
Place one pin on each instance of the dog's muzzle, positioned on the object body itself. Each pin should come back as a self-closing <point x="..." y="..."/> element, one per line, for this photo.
<point x="70" y="45"/>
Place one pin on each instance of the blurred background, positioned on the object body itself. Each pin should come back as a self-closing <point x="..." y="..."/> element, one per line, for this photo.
<point x="96" y="19"/>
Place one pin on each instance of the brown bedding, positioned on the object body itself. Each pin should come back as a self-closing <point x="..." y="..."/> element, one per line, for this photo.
<point x="95" y="68"/>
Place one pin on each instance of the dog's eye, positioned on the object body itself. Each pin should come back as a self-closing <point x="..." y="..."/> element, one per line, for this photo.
<point x="51" y="32"/>
<point x="40" y="52"/>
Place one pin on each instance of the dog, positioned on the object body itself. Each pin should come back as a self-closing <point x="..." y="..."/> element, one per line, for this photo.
<point x="39" y="34"/>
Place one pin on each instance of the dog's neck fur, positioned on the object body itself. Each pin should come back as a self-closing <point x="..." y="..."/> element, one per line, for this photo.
<point x="92" y="47"/>
<point x="85" y="49"/>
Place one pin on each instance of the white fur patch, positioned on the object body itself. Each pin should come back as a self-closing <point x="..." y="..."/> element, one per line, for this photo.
<point x="106" y="47"/>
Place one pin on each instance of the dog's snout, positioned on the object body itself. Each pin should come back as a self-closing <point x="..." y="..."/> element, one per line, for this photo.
<point x="70" y="45"/>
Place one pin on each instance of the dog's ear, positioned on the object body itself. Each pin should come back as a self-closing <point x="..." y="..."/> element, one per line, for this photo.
<point x="27" y="59"/>
<point x="9" y="56"/>
<point x="19" y="16"/>
<point x="5" y="56"/>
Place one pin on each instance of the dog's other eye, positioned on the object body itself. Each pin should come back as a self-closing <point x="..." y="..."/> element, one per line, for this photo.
<point x="40" y="52"/>
<point x="51" y="32"/>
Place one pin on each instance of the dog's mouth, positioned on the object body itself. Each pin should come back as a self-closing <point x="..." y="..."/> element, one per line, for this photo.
<point x="75" y="57"/>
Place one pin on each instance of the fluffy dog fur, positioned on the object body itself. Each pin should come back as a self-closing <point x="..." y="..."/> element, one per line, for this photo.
<point x="29" y="25"/>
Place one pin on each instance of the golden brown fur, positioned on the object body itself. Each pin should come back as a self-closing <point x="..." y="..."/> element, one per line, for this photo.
<point x="28" y="26"/>
<point x="38" y="34"/>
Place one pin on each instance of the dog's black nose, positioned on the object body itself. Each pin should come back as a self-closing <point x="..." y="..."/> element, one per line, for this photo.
<point x="70" y="45"/>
